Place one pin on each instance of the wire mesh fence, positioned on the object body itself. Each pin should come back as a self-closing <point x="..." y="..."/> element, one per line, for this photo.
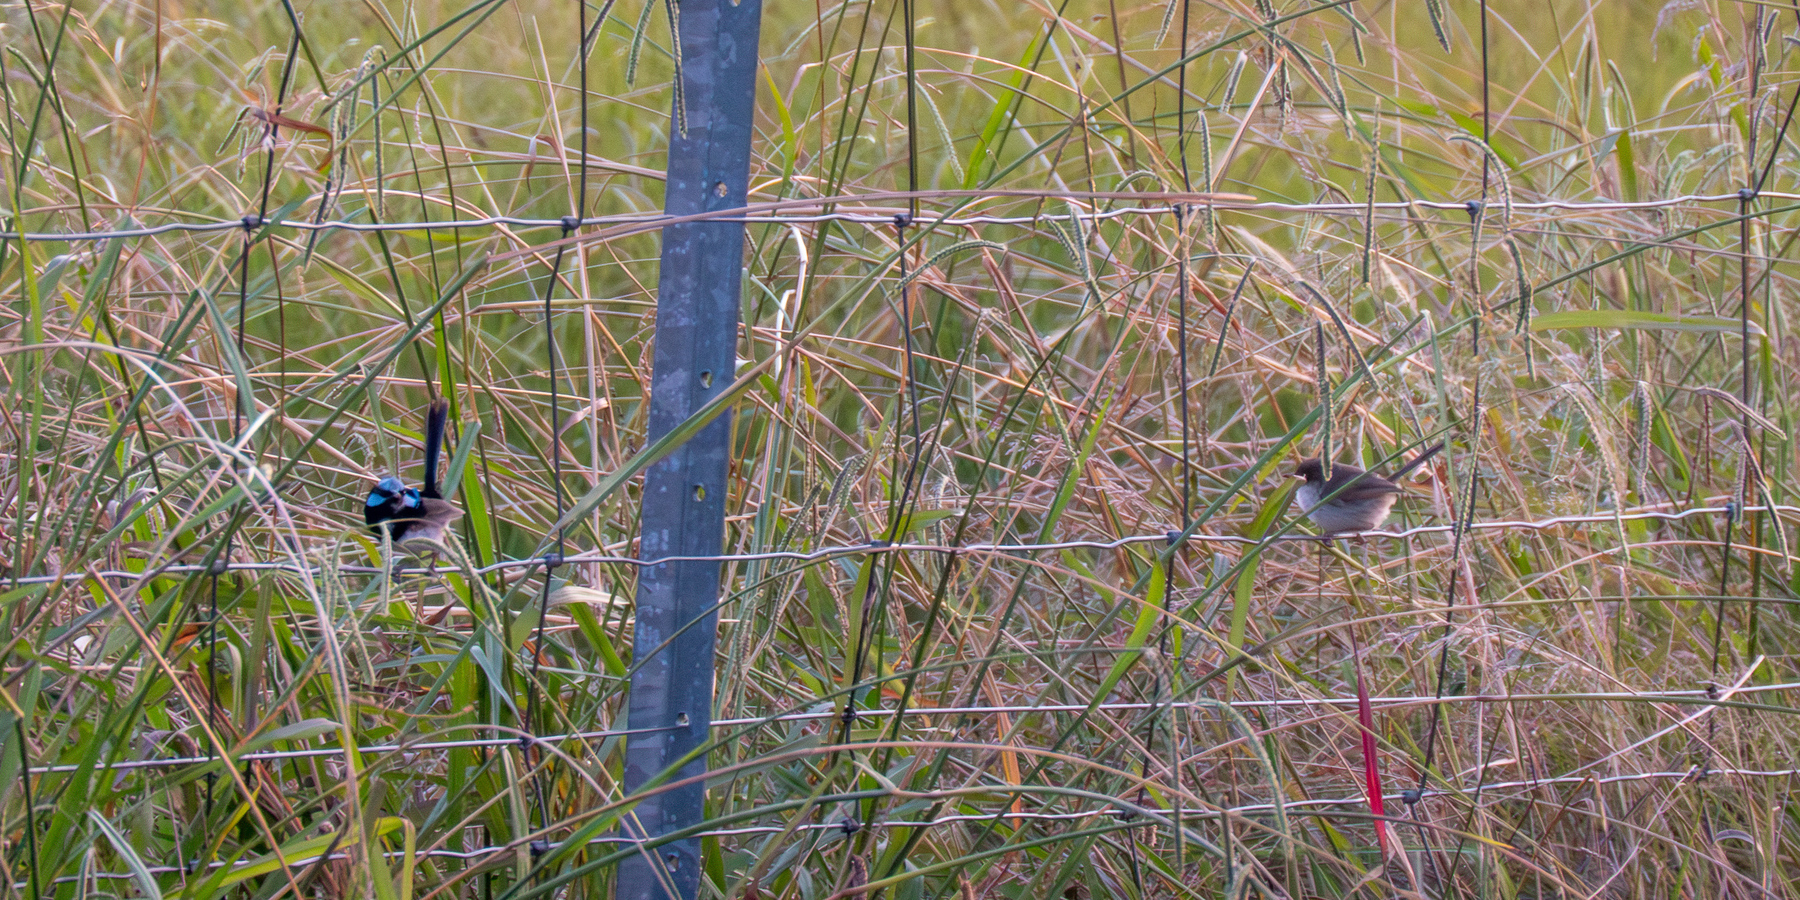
<point x="1018" y="596"/>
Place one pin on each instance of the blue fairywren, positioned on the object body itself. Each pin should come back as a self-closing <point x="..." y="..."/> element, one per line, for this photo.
<point x="415" y="514"/>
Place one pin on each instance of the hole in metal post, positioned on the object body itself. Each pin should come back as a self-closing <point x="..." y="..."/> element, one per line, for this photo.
<point x="673" y="860"/>
<point x="699" y="492"/>
<point x="720" y="189"/>
<point x="706" y="378"/>
<point x="681" y="719"/>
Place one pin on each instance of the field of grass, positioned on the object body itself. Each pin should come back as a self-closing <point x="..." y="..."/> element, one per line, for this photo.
<point x="1554" y="235"/>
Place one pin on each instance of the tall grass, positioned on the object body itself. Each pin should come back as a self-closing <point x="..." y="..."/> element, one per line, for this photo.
<point x="1584" y="702"/>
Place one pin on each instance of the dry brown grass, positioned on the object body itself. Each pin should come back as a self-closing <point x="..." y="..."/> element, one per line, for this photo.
<point x="1151" y="722"/>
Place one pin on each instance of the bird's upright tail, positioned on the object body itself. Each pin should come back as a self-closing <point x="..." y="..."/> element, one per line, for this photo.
<point x="435" y="420"/>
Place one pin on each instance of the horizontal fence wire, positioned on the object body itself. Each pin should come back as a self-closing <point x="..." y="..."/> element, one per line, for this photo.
<point x="848" y="827"/>
<point x="876" y="547"/>
<point x="755" y="214"/>
<point x="1703" y="695"/>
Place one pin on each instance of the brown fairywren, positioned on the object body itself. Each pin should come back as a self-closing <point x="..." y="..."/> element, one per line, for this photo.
<point x="1352" y="500"/>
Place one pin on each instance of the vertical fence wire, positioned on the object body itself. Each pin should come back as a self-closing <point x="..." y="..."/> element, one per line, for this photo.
<point x="1185" y="391"/>
<point x="221" y="555"/>
<point x="1478" y="310"/>
<point x="1775" y="145"/>
<point x="1464" y="517"/>
<point x="533" y="755"/>
<point x="878" y="582"/>
<point x="1164" y="678"/>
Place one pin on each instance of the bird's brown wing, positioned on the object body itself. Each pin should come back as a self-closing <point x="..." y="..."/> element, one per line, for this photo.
<point x="440" y="512"/>
<point x="1367" y="487"/>
<point x="432" y="522"/>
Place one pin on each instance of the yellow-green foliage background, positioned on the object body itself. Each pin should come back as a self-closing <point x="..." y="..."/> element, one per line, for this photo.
<point x="1154" y="722"/>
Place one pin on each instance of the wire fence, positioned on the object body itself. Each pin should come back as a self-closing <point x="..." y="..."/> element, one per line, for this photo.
<point x="866" y="209"/>
<point x="516" y="739"/>
<point x="881" y="547"/>
<point x="770" y="214"/>
<point x="1148" y="817"/>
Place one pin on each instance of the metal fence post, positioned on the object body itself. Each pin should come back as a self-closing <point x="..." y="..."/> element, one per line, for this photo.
<point x="698" y="293"/>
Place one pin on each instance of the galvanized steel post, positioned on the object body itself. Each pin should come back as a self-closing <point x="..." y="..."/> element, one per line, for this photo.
<point x="698" y="293"/>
